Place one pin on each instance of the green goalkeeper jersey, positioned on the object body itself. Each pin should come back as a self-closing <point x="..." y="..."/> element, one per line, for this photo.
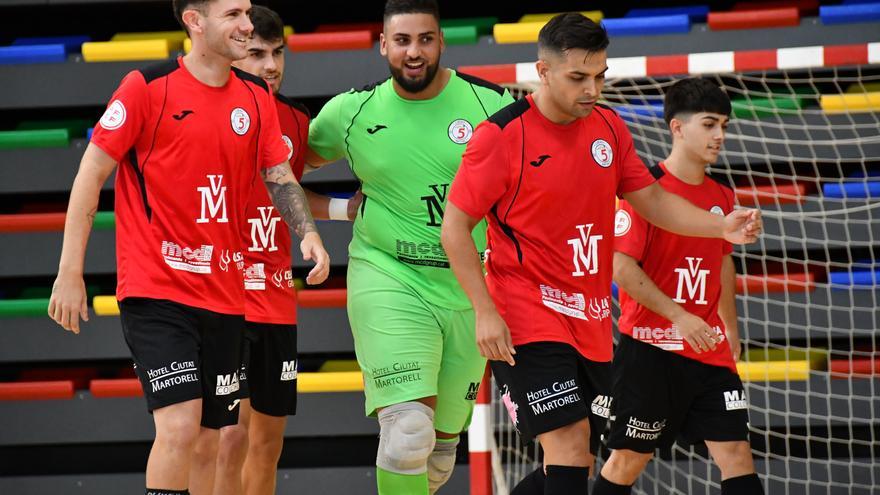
<point x="405" y="154"/>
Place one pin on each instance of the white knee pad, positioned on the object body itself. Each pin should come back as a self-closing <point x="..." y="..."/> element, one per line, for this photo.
<point x="441" y="462"/>
<point x="406" y="438"/>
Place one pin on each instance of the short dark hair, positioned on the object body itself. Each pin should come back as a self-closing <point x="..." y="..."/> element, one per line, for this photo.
<point x="180" y="5"/>
<point x="572" y="31"/>
<point x="395" y="7"/>
<point x="267" y="23"/>
<point x="694" y="95"/>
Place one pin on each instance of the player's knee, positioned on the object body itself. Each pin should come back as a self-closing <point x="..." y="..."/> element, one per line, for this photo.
<point x="441" y="463"/>
<point x="178" y="431"/>
<point x="624" y="466"/>
<point x="266" y="449"/>
<point x="406" y="438"/>
<point x="733" y="458"/>
<point x="233" y="443"/>
<point x="568" y="445"/>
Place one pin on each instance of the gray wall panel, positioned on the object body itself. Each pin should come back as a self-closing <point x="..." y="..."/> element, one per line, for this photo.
<point x="37" y="253"/>
<point x="86" y="419"/>
<point x="36" y="340"/>
<point x="36" y="85"/>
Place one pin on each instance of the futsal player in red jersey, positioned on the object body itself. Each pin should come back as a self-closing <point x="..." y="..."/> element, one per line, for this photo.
<point x="545" y="171"/>
<point x="248" y="455"/>
<point x="675" y="367"/>
<point x="193" y="137"/>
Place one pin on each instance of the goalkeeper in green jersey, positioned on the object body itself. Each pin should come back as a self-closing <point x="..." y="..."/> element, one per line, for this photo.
<point x="413" y="326"/>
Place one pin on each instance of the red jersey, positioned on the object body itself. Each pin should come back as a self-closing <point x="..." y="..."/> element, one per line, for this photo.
<point x="268" y="279"/>
<point x="548" y="192"/>
<point x="687" y="269"/>
<point x="188" y="156"/>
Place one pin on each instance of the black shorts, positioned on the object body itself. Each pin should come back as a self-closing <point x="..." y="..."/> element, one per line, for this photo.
<point x="552" y="386"/>
<point x="182" y="353"/>
<point x="659" y="396"/>
<point x="269" y="368"/>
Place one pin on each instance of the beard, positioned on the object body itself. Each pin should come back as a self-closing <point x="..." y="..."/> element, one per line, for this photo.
<point x="415" y="85"/>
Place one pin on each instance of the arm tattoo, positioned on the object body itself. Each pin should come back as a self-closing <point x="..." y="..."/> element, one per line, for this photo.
<point x="289" y="199"/>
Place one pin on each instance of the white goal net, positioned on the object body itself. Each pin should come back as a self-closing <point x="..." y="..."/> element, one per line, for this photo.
<point x="804" y="146"/>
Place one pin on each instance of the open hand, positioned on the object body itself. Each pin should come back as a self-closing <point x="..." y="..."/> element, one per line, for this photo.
<point x="69" y="302"/>
<point x="313" y="249"/>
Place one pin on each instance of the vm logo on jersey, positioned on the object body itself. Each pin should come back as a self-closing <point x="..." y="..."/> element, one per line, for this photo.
<point x="213" y="200"/>
<point x="263" y="230"/>
<point x="735" y="399"/>
<point x="693" y="279"/>
<point x="227" y="384"/>
<point x="288" y="371"/>
<point x="473" y="388"/>
<point x="434" y="203"/>
<point x="585" y="249"/>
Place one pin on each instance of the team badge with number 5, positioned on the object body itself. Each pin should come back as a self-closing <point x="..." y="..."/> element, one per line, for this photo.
<point x="602" y="153"/>
<point x="240" y="121"/>
<point x="460" y="131"/>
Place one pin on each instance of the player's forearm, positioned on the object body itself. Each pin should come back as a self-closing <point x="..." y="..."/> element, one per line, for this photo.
<point x="465" y="262"/>
<point x="314" y="161"/>
<point x="675" y="214"/>
<point x="289" y="199"/>
<point x="727" y="304"/>
<point x="630" y="277"/>
<point x="82" y="207"/>
<point x="319" y="205"/>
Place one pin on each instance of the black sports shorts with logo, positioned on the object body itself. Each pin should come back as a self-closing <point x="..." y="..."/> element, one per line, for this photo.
<point x="269" y="368"/>
<point x="552" y="386"/>
<point x="182" y="353"/>
<point x="660" y="395"/>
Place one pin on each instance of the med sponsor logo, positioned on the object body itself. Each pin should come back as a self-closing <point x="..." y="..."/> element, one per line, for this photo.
<point x="557" y="395"/>
<point x="255" y="277"/>
<point x="187" y="259"/>
<point x="397" y="374"/>
<point x="644" y="430"/>
<point x="735" y="399"/>
<point x="288" y="371"/>
<point x="601" y="406"/>
<point x="174" y="374"/>
<point x="667" y="338"/>
<point x="560" y="301"/>
<point x="422" y="253"/>
<point x="227" y="384"/>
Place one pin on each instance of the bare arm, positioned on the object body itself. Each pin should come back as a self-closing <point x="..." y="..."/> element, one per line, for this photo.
<point x="677" y="215"/>
<point x="314" y="161"/>
<point x="320" y="205"/>
<point x="631" y="278"/>
<point x="68" y="301"/>
<point x="292" y="205"/>
<point x="493" y="336"/>
<point x="727" y="305"/>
